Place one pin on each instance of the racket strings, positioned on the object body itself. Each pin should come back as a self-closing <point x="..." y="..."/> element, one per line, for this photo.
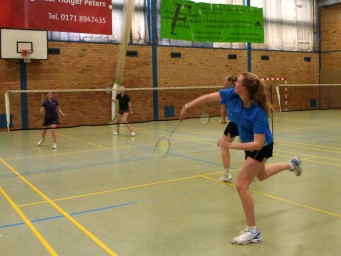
<point x="162" y="147"/>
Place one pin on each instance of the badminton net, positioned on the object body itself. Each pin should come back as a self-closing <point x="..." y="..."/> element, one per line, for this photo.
<point x="86" y="107"/>
<point x="93" y="106"/>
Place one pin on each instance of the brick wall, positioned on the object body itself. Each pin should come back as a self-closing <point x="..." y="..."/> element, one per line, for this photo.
<point x="330" y="24"/>
<point x="79" y="65"/>
<point x="86" y="65"/>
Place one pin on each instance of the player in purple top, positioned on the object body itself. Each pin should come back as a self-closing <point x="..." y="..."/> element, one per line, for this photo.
<point x="50" y="108"/>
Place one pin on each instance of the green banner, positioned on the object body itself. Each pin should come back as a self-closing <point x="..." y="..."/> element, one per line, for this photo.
<point x="203" y="22"/>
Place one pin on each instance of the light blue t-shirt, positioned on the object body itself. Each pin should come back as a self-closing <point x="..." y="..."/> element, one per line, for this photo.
<point x="222" y="102"/>
<point x="250" y="121"/>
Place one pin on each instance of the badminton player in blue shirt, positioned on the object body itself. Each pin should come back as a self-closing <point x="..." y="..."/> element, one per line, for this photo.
<point x="250" y="109"/>
<point x="230" y="132"/>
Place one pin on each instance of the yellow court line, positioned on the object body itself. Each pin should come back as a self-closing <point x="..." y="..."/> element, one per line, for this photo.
<point x="28" y="223"/>
<point x="307" y="144"/>
<point x="83" y="141"/>
<point x="117" y="189"/>
<point x="305" y="128"/>
<point x="146" y="185"/>
<point x="308" y="156"/>
<point x="280" y="199"/>
<point x="311" y="148"/>
<point x="59" y="209"/>
<point x="181" y="128"/>
<point x="320" y="162"/>
<point x="187" y="138"/>
<point x="53" y="154"/>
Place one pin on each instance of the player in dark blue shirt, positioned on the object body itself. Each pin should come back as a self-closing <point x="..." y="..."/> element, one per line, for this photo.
<point x="50" y="108"/>
<point x="250" y="109"/>
<point x="230" y="132"/>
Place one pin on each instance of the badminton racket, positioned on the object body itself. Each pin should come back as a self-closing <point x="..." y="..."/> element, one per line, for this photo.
<point x="163" y="145"/>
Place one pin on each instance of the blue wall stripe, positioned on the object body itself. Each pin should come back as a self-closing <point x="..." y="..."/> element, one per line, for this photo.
<point x="23" y="96"/>
<point x="153" y="22"/>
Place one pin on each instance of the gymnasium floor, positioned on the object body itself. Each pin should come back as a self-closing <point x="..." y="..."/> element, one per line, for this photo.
<point x="100" y="194"/>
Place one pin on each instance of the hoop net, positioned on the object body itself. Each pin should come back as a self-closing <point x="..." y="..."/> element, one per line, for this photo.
<point x="25" y="54"/>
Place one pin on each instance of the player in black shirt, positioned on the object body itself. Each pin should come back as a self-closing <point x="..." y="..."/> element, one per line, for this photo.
<point x="124" y="110"/>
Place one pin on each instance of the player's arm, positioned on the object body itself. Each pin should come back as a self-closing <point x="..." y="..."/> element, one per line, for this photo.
<point x="256" y="144"/>
<point x="60" y="111"/>
<point x="130" y="108"/>
<point x="201" y="100"/>
<point x="42" y="110"/>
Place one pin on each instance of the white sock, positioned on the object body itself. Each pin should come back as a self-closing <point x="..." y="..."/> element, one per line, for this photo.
<point x="253" y="229"/>
<point x="227" y="171"/>
<point x="292" y="166"/>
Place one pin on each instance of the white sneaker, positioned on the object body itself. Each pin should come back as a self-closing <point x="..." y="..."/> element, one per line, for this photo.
<point x="40" y="142"/>
<point x="116" y="133"/>
<point x="132" y="134"/>
<point x="226" y="177"/>
<point x="296" y="161"/>
<point x="246" y="237"/>
<point x="54" y="146"/>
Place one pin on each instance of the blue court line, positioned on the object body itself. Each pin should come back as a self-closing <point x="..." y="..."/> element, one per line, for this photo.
<point x="67" y="168"/>
<point x="89" y="211"/>
<point x="72" y="214"/>
<point x="188" y="157"/>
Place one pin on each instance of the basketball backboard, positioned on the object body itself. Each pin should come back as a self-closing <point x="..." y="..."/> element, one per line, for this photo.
<point x="13" y="41"/>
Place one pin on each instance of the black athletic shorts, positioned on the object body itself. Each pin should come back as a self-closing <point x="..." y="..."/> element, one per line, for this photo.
<point x="231" y="129"/>
<point x="122" y="111"/>
<point x="259" y="155"/>
<point x="50" y="121"/>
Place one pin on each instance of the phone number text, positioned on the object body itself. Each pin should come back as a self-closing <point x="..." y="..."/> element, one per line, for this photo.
<point x="77" y="18"/>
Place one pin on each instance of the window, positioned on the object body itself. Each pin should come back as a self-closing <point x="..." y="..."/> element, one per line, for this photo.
<point x="289" y="25"/>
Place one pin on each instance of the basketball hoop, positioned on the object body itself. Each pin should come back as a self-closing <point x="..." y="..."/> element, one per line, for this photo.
<point x="26" y="53"/>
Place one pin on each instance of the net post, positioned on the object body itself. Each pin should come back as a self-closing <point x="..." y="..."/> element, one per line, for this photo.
<point x="286" y="96"/>
<point x="8" y="110"/>
<point x="278" y="97"/>
<point x="113" y="101"/>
